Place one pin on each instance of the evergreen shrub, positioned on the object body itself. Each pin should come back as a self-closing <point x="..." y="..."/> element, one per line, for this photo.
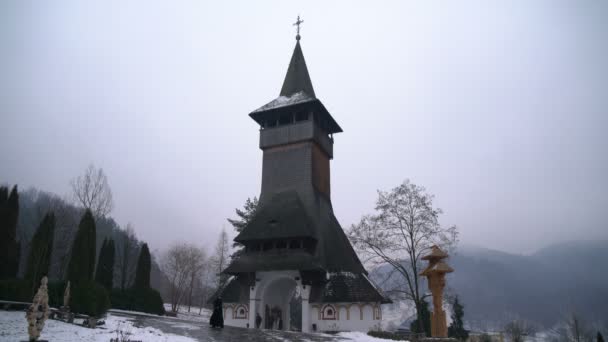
<point x="89" y="298"/>
<point x="17" y="290"/>
<point x="143" y="300"/>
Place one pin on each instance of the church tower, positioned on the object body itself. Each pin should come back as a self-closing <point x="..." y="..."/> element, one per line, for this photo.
<point x="294" y="243"/>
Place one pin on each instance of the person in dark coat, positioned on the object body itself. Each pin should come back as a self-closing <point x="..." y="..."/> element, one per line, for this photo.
<point x="258" y="320"/>
<point x="217" y="317"/>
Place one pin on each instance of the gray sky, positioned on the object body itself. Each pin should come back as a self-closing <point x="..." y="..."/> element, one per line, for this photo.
<point x="499" y="108"/>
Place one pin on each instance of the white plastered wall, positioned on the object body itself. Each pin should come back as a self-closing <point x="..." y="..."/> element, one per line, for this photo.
<point x="346" y="316"/>
<point x="236" y="315"/>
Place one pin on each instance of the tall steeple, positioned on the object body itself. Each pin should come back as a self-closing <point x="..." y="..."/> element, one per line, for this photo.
<point x="294" y="236"/>
<point x="297" y="78"/>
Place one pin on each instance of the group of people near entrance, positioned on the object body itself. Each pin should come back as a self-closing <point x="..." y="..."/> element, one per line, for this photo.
<point x="274" y="321"/>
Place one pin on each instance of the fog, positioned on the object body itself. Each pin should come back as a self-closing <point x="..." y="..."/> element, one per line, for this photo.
<point x="500" y="109"/>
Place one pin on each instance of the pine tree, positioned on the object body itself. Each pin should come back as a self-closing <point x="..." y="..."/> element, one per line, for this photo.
<point x="456" y="329"/>
<point x="244" y="217"/>
<point x="104" y="274"/>
<point x="99" y="271"/>
<point x="10" y="248"/>
<point x="600" y="338"/>
<point x="142" y="274"/>
<point x="82" y="260"/>
<point x="426" y="320"/>
<point x="41" y="247"/>
<point x="110" y="265"/>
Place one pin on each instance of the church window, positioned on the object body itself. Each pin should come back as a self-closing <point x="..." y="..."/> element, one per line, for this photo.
<point x="281" y="244"/>
<point x="240" y="312"/>
<point x="294" y="244"/>
<point x="328" y="312"/>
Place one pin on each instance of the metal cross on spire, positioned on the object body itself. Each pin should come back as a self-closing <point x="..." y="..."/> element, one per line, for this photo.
<point x="297" y="23"/>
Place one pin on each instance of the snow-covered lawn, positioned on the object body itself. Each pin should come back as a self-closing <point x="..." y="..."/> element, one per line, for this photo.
<point x="360" y="337"/>
<point x="13" y="327"/>
<point x="193" y="315"/>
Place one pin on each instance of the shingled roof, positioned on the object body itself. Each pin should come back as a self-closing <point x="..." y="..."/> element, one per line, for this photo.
<point x="285" y="100"/>
<point x="284" y="216"/>
<point x="232" y="292"/>
<point x="274" y="261"/>
<point x="297" y="77"/>
<point x="345" y="287"/>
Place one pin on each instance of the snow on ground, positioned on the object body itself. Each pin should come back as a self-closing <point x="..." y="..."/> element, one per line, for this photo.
<point x="193" y="315"/>
<point x="13" y="327"/>
<point x="360" y="337"/>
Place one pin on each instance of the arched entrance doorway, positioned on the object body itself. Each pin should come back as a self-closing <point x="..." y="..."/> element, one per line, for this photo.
<point x="276" y="303"/>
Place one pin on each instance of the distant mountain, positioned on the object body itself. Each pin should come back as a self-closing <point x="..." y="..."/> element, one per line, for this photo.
<point x="497" y="287"/>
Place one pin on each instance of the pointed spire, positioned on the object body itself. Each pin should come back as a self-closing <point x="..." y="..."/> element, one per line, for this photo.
<point x="297" y="78"/>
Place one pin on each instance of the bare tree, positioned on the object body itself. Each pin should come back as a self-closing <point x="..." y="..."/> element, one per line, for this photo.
<point x="206" y="285"/>
<point x="573" y="328"/>
<point x="179" y="264"/>
<point x="196" y="261"/>
<point x="518" y="330"/>
<point x="403" y="229"/>
<point x="126" y="252"/>
<point x="92" y="191"/>
<point x="221" y="257"/>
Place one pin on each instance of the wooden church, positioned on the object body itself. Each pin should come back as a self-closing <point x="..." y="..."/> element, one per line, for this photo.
<point x="298" y="270"/>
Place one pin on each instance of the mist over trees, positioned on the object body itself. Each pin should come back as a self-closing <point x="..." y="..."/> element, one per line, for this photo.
<point x="34" y="204"/>
<point x="51" y="230"/>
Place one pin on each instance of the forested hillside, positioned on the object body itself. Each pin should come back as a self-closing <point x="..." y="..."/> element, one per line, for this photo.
<point x="34" y="204"/>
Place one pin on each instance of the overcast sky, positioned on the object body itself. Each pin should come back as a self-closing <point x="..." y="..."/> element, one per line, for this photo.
<point x="500" y="109"/>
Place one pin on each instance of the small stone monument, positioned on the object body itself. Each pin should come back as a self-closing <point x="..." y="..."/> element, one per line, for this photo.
<point x="38" y="312"/>
<point x="435" y="273"/>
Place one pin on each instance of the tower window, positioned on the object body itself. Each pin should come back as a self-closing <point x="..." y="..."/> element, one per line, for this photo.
<point x="301" y="116"/>
<point x="294" y="244"/>
<point x="267" y="246"/>
<point x="285" y="119"/>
